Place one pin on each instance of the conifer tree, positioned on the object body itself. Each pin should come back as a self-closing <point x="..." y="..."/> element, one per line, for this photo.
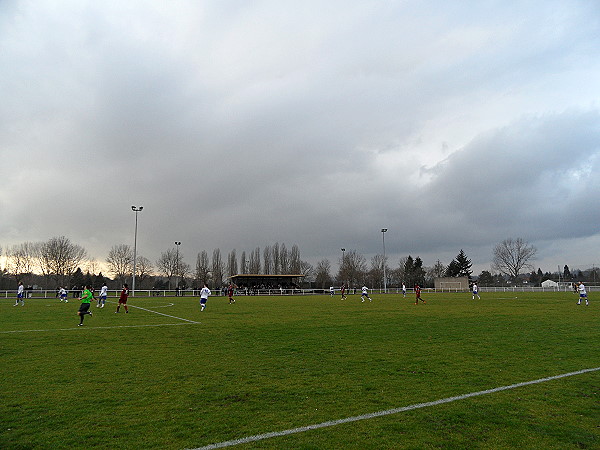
<point x="464" y="264"/>
<point x="460" y="266"/>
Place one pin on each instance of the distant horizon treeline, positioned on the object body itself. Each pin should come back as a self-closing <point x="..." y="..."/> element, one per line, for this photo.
<point x="59" y="262"/>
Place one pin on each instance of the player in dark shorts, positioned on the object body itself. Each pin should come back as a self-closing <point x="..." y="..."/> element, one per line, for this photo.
<point x="343" y="289"/>
<point x="123" y="298"/>
<point x="230" y="294"/>
<point x="418" y="294"/>
<point x="86" y="298"/>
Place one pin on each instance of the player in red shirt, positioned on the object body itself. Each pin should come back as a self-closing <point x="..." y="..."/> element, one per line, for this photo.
<point x="230" y="294"/>
<point x="123" y="299"/>
<point x="418" y="294"/>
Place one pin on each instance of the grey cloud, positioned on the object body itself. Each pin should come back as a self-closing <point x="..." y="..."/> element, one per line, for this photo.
<point x="534" y="177"/>
<point x="237" y="125"/>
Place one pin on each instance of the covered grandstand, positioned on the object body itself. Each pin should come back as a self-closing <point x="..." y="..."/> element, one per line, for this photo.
<point x="257" y="282"/>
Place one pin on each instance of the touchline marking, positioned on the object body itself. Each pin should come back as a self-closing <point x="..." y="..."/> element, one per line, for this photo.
<point x="331" y="423"/>
<point x="99" y="328"/>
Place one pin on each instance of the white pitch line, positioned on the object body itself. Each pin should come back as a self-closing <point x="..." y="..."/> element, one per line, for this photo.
<point x="159" y="313"/>
<point x="162" y="314"/>
<point x="168" y="305"/>
<point x="99" y="328"/>
<point x="188" y="322"/>
<point x="331" y="423"/>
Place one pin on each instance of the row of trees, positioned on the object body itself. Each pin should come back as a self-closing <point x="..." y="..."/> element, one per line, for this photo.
<point x="58" y="260"/>
<point x="354" y="270"/>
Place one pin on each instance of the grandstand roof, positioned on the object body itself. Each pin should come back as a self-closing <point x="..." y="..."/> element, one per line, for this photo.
<point x="254" y="278"/>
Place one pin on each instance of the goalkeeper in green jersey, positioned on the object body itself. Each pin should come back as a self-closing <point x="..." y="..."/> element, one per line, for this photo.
<point x="86" y="299"/>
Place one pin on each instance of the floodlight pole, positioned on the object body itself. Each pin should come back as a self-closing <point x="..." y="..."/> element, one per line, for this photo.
<point x="559" y="277"/>
<point x="383" y="231"/>
<point x="177" y="243"/>
<point x="343" y="261"/>
<point x="135" y="209"/>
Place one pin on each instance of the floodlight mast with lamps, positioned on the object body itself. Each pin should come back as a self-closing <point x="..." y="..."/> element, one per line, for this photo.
<point x="177" y="243"/>
<point x="135" y="209"/>
<point x="383" y="231"/>
<point x="343" y="264"/>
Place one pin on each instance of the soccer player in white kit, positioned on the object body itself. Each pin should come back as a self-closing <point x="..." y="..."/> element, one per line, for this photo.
<point x="103" y="295"/>
<point x="582" y="294"/>
<point x="20" y="295"/>
<point x="204" y="294"/>
<point x="476" y="291"/>
<point x="365" y="293"/>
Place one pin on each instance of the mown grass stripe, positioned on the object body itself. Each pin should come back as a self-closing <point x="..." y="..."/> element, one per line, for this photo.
<point x="98" y="328"/>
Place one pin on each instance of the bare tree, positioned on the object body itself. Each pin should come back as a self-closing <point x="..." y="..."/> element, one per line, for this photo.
<point x="267" y="260"/>
<point x="323" y="274"/>
<point x="120" y="262"/>
<point x="438" y="270"/>
<point x="22" y="259"/>
<point x="307" y="270"/>
<point x="44" y="262"/>
<point x="217" y="268"/>
<point x="167" y="264"/>
<point x="255" y="261"/>
<point x="232" y="263"/>
<point x="276" y="268"/>
<point x="401" y="272"/>
<point x="376" y="272"/>
<point x="284" y="260"/>
<point x="353" y="267"/>
<point x="59" y="258"/>
<point x="182" y="269"/>
<point x="396" y="275"/>
<point x="202" y="268"/>
<point x="511" y="256"/>
<point x="243" y="263"/>
<point x="295" y="261"/>
<point x="3" y="274"/>
<point x="91" y="266"/>
<point x="144" y="269"/>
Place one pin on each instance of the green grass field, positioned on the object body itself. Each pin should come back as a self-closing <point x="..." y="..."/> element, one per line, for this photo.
<point x="155" y="379"/>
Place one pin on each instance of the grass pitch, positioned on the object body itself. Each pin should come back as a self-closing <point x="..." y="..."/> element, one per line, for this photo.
<point x="168" y="376"/>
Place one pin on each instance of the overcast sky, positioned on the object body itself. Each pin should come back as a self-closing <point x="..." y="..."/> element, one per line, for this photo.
<point x="238" y="124"/>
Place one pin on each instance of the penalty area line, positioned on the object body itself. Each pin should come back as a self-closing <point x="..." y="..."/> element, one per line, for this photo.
<point x="161" y="314"/>
<point x="331" y="423"/>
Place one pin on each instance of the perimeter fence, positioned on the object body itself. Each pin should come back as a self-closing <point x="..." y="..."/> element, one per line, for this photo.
<point x="147" y="293"/>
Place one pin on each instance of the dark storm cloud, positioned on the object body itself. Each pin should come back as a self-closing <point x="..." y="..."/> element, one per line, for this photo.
<point x="534" y="178"/>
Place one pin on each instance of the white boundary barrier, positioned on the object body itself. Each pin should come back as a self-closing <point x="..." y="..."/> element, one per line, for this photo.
<point x="37" y="293"/>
